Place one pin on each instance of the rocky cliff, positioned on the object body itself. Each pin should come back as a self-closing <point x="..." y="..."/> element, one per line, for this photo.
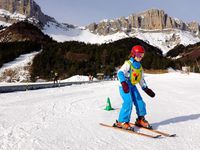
<point x="27" y="8"/>
<point x="153" y="19"/>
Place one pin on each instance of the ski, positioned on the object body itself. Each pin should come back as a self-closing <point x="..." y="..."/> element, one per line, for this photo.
<point x="155" y="131"/>
<point x="131" y="131"/>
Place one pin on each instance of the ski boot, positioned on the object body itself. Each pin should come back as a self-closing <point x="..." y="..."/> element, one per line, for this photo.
<point x="123" y="125"/>
<point x="141" y="122"/>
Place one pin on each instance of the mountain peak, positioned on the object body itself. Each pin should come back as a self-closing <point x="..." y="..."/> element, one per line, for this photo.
<point x="12" y="11"/>
<point x="152" y="19"/>
<point x="153" y="10"/>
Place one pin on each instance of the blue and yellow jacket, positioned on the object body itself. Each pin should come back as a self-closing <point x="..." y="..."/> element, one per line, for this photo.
<point x="132" y="72"/>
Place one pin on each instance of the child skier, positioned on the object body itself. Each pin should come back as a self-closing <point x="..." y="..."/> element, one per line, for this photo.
<point x="129" y="75"/>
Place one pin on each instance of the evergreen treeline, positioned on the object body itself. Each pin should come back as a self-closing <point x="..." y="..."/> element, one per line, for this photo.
<point x="189" y="56"/>
<point x="175" y="51"/>
<point x="10" y="51"/>
<point x="71" y="58"/>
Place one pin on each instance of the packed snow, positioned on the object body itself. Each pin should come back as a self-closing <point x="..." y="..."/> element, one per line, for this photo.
<point x="68" y="117"/>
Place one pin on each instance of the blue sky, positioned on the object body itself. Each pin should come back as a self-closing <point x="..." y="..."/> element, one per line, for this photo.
<point x="84" y="12"/>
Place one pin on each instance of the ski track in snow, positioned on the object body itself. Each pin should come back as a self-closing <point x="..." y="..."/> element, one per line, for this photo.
<point x="68" y="118"/>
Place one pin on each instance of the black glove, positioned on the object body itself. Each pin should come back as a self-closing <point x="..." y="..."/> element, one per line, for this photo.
<point x="149" y="92"/>
<point x="125" y="87"/>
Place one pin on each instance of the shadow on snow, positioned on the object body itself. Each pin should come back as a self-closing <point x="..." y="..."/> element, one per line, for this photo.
<point x="176" y="120"/>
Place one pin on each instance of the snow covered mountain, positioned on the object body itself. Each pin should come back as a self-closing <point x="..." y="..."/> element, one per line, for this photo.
<point x="152" y="26"/>
<point x="151" y="29"/>
<point x="164" y="40"/>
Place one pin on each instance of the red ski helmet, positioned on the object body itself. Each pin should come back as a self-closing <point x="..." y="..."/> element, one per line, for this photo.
<point x="137" y="51"/>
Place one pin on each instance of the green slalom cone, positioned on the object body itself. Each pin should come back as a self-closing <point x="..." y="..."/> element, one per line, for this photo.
<point x="108" y="105"/>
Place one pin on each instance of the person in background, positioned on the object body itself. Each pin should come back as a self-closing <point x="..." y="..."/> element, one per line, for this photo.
<point x="55" y="80"/>
<point x="90" y="77"/>
<point x="129" y="75"/>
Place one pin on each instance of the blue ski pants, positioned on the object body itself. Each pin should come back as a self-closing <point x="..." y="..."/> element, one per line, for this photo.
<point x="130" y="98"/>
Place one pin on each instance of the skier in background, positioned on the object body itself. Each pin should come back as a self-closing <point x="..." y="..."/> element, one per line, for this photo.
<point x="55" y="80"/>
<point x="129" y="75"/>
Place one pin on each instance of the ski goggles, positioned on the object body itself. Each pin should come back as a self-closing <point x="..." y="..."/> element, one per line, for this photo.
<point x="139" y="55"/>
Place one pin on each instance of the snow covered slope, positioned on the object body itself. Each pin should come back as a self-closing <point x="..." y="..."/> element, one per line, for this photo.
<point x="62" y="33"/>
<point x="68" y="117"/>
<point x="17" y="70"/>
<point x="165" y="40"/>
